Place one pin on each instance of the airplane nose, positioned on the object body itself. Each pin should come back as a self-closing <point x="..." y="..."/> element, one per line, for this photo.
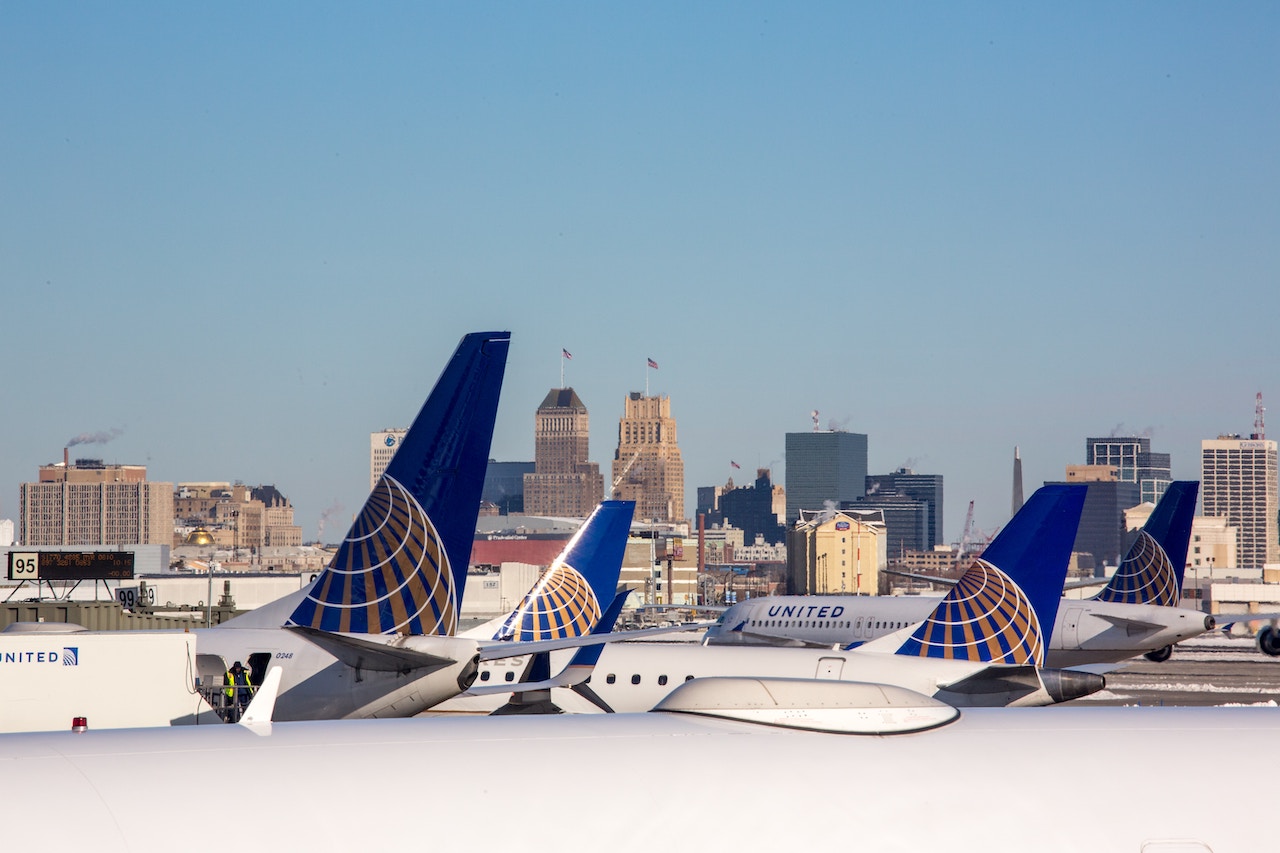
<point x="1063" y="685"/>
<point x="1209" y="623"/>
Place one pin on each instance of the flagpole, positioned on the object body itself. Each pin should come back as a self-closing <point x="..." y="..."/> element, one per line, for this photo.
<point x="562" y="368"/>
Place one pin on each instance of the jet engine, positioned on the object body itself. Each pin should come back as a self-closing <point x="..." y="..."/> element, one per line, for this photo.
<point x="1269" y="640"/>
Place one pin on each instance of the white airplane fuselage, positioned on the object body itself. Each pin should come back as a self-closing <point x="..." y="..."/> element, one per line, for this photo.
<point x="1085" y="631"/>
<point x="635" y="676"/>
<point x="317" y="686"/>
<point x="911" y="792"/>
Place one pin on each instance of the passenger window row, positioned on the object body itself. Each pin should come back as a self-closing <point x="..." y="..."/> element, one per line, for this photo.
<point x="612" y="678"/>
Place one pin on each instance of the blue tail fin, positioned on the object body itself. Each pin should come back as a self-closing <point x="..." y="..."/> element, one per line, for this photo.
<point x="1151" y="573"/>
<point x="403" y="565"/>
<point x="1003" y="608"/>
<point x="567" y="599"/>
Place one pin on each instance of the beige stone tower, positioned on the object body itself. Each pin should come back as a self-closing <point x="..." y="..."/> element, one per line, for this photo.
<point x="647" y="467"/>
<point x="564" y="482"/>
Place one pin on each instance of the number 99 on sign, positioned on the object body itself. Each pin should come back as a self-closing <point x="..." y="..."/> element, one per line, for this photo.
<point x="24" y="566"/>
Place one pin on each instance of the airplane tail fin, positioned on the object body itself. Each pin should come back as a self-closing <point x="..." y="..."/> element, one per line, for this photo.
<point x="568" y="598"/>
<point x="402" y="567"/>
<point x="1003" y="608"/>
<point x="1151" y="573"/>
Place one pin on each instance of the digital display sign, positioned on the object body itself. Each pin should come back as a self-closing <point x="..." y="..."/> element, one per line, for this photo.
<point x="70" y="565"/>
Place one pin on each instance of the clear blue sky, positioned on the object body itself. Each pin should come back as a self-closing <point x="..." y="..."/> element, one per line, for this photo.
<point x="246" y="235"/>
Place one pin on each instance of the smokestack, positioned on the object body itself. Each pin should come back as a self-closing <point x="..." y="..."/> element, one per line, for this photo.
<point x="702" y="543"/>
<point x="1017" y="480"/>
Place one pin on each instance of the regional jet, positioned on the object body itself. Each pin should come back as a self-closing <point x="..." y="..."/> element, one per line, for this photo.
<point x="1136" y="613"/>
<point x="981" y="645"/>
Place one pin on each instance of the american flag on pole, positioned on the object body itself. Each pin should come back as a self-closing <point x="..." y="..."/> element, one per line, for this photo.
<point x="734" y="464"/>
<point x="564" y="353"/>
<point x="653" y="364"/>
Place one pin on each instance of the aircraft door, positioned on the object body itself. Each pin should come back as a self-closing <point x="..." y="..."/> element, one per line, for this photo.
<point x="830" y="668"/>
<point x="210" y="669"/>
<point x="1070" y="629"/>
<point x="258" y="663"/>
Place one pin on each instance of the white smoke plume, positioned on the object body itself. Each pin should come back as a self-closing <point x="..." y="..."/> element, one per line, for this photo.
<point x="326" y="514"/>
<point x="95" y="437"/>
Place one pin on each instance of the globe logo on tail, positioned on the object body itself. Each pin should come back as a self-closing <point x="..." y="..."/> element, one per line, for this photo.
<point x="984" y="618"/>
<point x="561" y="604"/>
<point x="1145" y="576"/>
<point x="390" y="575"/>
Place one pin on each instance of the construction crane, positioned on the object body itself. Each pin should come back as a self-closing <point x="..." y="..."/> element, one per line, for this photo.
<point x="613" y="487"/>
<point x="965" y="536"/>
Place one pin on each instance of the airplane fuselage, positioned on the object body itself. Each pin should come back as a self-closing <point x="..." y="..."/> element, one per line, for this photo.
<point x="910" y="792"/>
<point x="317" y="686"/>
<point x="635" y="676"/>
<point x="1085" y="631"/>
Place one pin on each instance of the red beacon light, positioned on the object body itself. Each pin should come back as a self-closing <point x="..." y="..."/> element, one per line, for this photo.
<point x="79" y="724"/>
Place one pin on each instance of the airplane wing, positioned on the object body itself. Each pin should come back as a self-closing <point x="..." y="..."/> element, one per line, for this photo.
<point x="1084" y="584"/>
<point x="506" y="649"/>
<point x="920" y="577"/>
<point x="774" y="640"/>
<point x="1226" y="620"/>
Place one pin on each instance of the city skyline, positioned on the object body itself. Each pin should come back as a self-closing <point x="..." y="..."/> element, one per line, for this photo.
<point x="235" y="242"/>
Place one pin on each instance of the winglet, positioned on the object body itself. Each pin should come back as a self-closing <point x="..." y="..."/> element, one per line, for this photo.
<point x="263" y="703"/>
<point x="402" y="567"/>
<point x="1152" y="571"/>
<point x="566" y="600"/>
<point x="1003" y="608"/>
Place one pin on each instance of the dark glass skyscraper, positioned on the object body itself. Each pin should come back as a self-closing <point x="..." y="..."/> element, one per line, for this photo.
<point x="825" y="465"/>
<point x="1132" y="457"/>
<point x="905" y="483"/>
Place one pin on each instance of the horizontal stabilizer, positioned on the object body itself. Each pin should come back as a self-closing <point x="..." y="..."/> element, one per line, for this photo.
<point x="1132" y="627"/>
<point x="567" y="677"/>
<point x="379" y="652"/>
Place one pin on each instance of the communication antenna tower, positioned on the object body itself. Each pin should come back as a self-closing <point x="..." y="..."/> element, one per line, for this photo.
<point x="1259" y="420"/>
<point x="814" y="415"/>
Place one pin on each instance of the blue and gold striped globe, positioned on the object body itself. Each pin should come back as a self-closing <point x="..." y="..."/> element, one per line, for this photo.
<point x="1145" y="576"/>
<point x="985" y="617"/>
<point x="561" y="604"/>
<point x="390" y="575"/>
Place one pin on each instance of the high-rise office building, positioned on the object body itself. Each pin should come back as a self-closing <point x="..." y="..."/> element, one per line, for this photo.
<point x="504" y="485"/>
<point x="1134" y="462"/>
<point x="906" y="483"/>
<point x="754" y="509"/>
<point x="824" y="465"/>
<point x="647" y="467"/>
<point x="563" y="482"/>
<point x="1239" y="482"/>
<point x="382" y="446"/>
<point x="1102" y="527"/>
<point x="90" y="503"/>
